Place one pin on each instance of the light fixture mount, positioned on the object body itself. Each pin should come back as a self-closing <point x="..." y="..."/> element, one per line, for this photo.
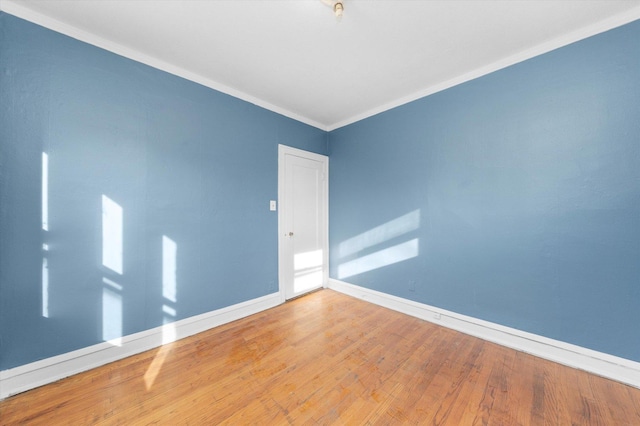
<point x="337" y="6"/>
<point x="338" y="9"/>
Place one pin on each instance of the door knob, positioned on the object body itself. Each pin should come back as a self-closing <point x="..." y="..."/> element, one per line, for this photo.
<point x="291" y="234"/>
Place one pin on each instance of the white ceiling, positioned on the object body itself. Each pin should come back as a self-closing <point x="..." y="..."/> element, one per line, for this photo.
<point x="293" y="57"/>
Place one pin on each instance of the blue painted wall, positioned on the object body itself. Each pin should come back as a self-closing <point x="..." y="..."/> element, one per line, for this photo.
<point x="513" y="198"/>
<point x="182" y="161"/>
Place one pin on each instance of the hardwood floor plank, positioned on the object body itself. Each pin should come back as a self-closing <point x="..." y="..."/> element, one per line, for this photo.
<point x="472" y="410"/>
<point x="445" y="388"/>
<point x="608" y="398"/>
<point x="538" y="391"/>
<point x="327" y="358"/>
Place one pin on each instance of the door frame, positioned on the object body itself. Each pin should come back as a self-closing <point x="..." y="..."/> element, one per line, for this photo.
<point x="284" y="150"/>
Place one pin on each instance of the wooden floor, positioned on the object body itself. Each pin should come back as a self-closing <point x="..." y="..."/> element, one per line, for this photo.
<point x="327" y="358"/>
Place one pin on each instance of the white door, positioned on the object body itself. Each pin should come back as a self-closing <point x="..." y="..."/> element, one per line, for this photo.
<point x="302" y="221"/>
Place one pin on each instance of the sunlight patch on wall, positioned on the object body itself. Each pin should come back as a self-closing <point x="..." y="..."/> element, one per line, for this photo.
<point x="169" y="288"/>
<point x="112" y="235"/>
<point x="168" y="311"/>
<point x="379" y="259"/>
<point x="45" y="282"/>
<point x="169" y="256"/>
<point x="45" y="227"/>
<point x="392" y="229"/>
<point x="378" y="236"/>
<point x="112" y="312"/>
<point x="45" y="191"/>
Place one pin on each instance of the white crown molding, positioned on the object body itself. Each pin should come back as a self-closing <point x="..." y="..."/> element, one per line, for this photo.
<point x="599" y="363"/>
<point x="564" y="40"/>
<point x="49" y="370"/>
<point x="14" y="8"/>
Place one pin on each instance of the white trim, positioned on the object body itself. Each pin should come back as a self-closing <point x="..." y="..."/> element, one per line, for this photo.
<point x="14" y="8"/>
<point x="23" y="12"/>
<point x="599" y="363"/>
<point x="49" y="370"/>
<point x="564" y="40"/>
<point x="282" y="151"/>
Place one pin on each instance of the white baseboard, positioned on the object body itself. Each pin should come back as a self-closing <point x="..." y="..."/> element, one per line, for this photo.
<point x="599" y="363"/>
<point x="49" y="370"/>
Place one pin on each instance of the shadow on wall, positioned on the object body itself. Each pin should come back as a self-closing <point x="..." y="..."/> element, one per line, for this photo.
<point x="369" y="251"/>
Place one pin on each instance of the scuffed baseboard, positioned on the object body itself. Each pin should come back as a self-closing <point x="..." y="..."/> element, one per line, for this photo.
<point x="599" y="363"/>
<point x="49" y="370"/>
